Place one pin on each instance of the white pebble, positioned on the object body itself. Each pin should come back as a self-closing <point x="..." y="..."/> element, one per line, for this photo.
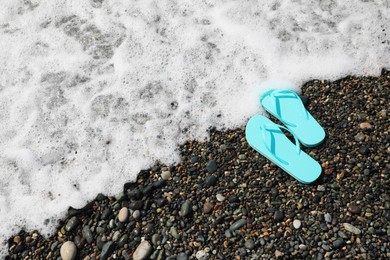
<point x="297" y="224"/>
<point x="123" y="215"/>
<point x="68" y="251"/>
<point x="143" y="251"/>
<point x="220" y="197"/>
<point x="136" y="214"/>
<point x="201" y="254"/>
<point x="166" y="175"/>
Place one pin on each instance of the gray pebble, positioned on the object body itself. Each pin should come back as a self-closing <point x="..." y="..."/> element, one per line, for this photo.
<point x="328" y="218"/>
<point x="143" y="250"/>
<point x="107" y="250"/>
<point x="186" y="208"/>
<point x="338" y="243"/>
<point x="211" y="166"/>
<point x="351" y="228"/>
<point x="250" y="244"/>
<point x="72" y="223"/>
<point x="238" y="224"/>
<point x="87" y="234"/>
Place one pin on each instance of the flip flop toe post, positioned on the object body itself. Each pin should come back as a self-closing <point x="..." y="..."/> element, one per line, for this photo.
<point x="268" y="139"/>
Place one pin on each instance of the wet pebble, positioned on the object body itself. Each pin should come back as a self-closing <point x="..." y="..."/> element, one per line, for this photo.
<point x="354" y="209"/>
<point x="297" y="224"/>
<point x="278" y="216"/>
<point x="68" y="251"/>
<point x="186" y="208"/>
<point x="211" y="166"/>
<point x="123" y="215"/>
<point x="351" y="228"/>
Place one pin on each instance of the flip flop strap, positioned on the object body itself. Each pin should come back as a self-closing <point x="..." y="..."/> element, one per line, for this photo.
<point x="275" y="128"/>
<point x="278" y="94"/>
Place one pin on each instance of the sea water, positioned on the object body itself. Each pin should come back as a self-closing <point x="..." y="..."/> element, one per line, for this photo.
<point x="93" y="91"/>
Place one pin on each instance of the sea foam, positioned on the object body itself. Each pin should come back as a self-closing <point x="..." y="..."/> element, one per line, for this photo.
<point x="93" y="91"/>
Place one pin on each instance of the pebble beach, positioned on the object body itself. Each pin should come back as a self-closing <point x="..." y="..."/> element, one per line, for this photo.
<point x="225" y="201"/>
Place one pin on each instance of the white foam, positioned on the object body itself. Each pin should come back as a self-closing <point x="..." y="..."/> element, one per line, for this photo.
<point x="91" y="92"/>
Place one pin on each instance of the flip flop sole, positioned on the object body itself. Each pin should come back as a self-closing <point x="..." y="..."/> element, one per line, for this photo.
<point x="276" y="147"/>
<point x="289" y="109"/>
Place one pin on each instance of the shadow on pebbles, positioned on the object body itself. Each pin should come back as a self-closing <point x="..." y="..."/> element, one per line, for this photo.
<point x="225" y="201"/>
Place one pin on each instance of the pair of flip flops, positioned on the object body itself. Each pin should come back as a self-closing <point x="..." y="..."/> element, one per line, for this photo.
<point x="267" y="138"/>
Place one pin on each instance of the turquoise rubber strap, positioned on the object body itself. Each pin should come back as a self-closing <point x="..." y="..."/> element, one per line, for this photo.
<point x="278" y="94"/>
<point x="276" y="129"/>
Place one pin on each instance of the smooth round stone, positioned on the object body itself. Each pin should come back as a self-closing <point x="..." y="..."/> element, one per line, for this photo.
<point x="201" y="254"/>
<point x="320" y="188"/>
<point x="143" y="251"/>
<point x="228" y="233"/>
<point x="338" y="243"/>
<point x="123" y="215"/>
<point x="123" y="240"/>
<point x="238" y="224"/>
<point x="278" y="215"/>
<point x="68" y="251"/>
<point x="87" y="234"/>
<point x="136" y="214"/>
<point x="186" y="208"/>
<point x="365" y="125"/>
<point x="107" y="250"/>
<point x="250" y="244"/>
<point x="354" y="209"/>
<point x="182" y="256"/>
<point x="210" y="180"/>
<point x="328" y="218"/>
<point x="220" y="197"/>
<point x="156" y="239"/>
<point x="351" y="228"/>
<point x="166" y="175"/>
<point x="297" y="224"/>
<point x="72" y="223"/>
<point x="116" y="236"/>
<point x="359" y="137"/>
<point x="211" y="166"/>
<point x="363" y="150"/>
<point x="208" y="208"/>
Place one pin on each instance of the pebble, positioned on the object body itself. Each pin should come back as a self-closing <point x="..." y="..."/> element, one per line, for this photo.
<point x="297" y="224"/>
<point x="250" y="244"/>
<point x="354" y="209"/>
<point x="363" y="150"/>
<point x="351" y="228"/>
<point x="87" y="234"/>
<point x="208" y="207"/>
<point x="182" y="256"/>
<point x="320" y="188"/>
<point x="186" y="208"/>
<point x="220" y="197"/>
<point x="123" y="215"/>
<point x="238" y="224"/>
<point x="328" y="218"/>
<point x="338" y="243"/>
<point x="68" y="251"/>
<point x="278" y="216"/>
<point x="200" y="255"/>
<point x="107" y="250"/>
<point x="143" y="251"/>
<point x="211" y="180"/>
<point x="359" y="137"/>
<point x="278" y="254"/>
<point x="365" y="125"/>
<point x="211" y="166"/>
<point x="72" y="223"/>
<point x="166" y="175"/>
<point x="136" y="214"/>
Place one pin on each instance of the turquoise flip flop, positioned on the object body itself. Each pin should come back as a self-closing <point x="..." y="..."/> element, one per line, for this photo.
<point x="286" y="106"/>
<point x="266" y="138"/>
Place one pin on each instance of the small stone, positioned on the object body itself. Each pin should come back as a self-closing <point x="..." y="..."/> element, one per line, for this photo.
<point x="194" y="159"/>
<point x="211" y="166"/>
<point x="338" y="243"/>
<point x="182" y="256"/>
<point x="278" y="254"/>
<point x="200" y="255"/>
<point x="328" y="218"/>
<point x="156" y="239"/>
<point x="220" y="197"/>
<point x="123" y="240"/>
<point x="297" y="224"/>
<point x="351" y="228"/>
<point x="68" y="251"/>
<point x="242" y="157"/>
<point x="359" y="137"/>
<point x="238" y="224"/>
<point x="143" y="251"/>
<point x="17" y="239"/>
<point x="320" y="188"/>
<point x="211" y="180"/>
<point x="166" y="175"/>
<point x="208" y="208"/>
<point x="123" y="215"/>
<point x="186" y="208"/>
<point x="302" y="247"/>
<point x="278" y="216"/>
<point x="107" y="250"/>
<point x="250" y="244"/>
<point x="329" y="171"/>
<point x="174" y="233"/>
<point x="87" y="234"/>
<point x="136" y="214"/>
<point x="365" y="125"/>
<point x="354" y="209"/>
<point x="228" y="233"/>
<point x="363" y="150"/>
<point x="72" y="223"/>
